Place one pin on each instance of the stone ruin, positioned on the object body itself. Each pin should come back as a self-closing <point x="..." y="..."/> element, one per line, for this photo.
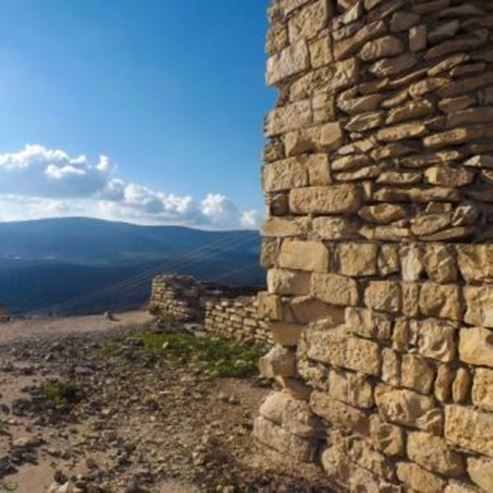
<point x="222" y="310"/>
<point x="378" y="177"/>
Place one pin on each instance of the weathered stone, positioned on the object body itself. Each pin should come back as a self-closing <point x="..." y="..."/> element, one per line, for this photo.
<point x="361" y="104"/>
<point x="281" y="440"/>
<point x="350" y="45"/>
<point x="272" y="407"/>
<point x="440" y="263"/>
<point x="432" y="453"/>
<point x="447" y="176"/>
<point x="337" y="347"/>
<point x="306" y="309"/>
<point x="419" y="479"/>
<point x="335" y="228"/>
<point x="310" y="256"/>
<point x="321" y="52"/>
<point x="335" y="199"/>
<point x="410" y="297"/>
<point x="469" y="429"/>
<point x="482" y="389"/>
<point x="362" y="453"/>
<point x="410" y="110"/>
<point x="412" y="265"/>
<point x="417" y="373"/>
<point x="476" y="346"/>
<point x="282" y="227"/>
<point x="400" y="406"/>
<point x="436" y="340"/>
<point x="350" y="388"/>
<point x="365" y="121"/>
<point x="418" y="37"/>
<point x="269" y="306"/>
<point x="284" y="175"/>
<point x="309" y="21"/>
<point x="291" y="117"/>
<point x="402" y="131"/>
<point x="476" y="262"/>
<point x="297" y="418"/>
<point x="386" y="46"/>
<point x="286" y="334"/>
<point x="357" y="259"/>
<point x="368" y="323"/>
<point x="288" y="282"/>
<point x="392" y="66"/>
<point x="290" y="61"/>
<point x="389" y="439"/>
<point x="479" y="301"/>
<point x="278" y="361"/>
<point x="339" y="413"/>
<point x="382" y="213"/>
<point x="335" y="289"/>
<point x="441" y="301"/>
<point x="443" y="383"/>
<point x="480" y="470"/>
<point x="461" y="386"/>
<point x="403" y="21"/>
<point x="391" y="367"/>
<point x="388" y="260"/>
<point x="384" y="296"/>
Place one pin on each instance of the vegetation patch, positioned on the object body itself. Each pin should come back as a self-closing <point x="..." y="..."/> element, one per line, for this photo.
<point x="222" y="357"/>
<point x="60" y="392"/>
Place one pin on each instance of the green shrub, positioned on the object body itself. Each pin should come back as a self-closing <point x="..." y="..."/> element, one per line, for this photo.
<point x="60" y="392"/>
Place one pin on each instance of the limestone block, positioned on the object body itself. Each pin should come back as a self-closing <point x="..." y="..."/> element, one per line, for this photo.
<point x="402" y="131"/>
<point x="361" y="452"/>
<point x="268" y="253"/>
<point x="433" y="453"/>
<point x="279" y="227"/>
<point x="383" y="296"/>
<point x="339" y="413"/>
<point x="358" y="259"/>
<point x="402" y="406"/>
<point x="337" y="466"/>
<point x="469" y="429"/>
<point x="335" y="228"/>
<point x="307" y="22"/>
<point x="304" y="255"/>
<point x="388" y="260"/>
<point x="383" y="213"/>
<point x="448" y="176"/>
<point x="290" y="117"/>
<point x="391" y="367"/>
<point x="403" y="21"/>
<point x="480" y="470"/>
<point x="337" y="347"/>
<point x="441" y="301"/>
<point x="350" y="388"/>
<point x="287" y="282"/>
<point x="335" y="199"/>
<point x="436" y="340"/>
<point x="273" y="405"/>
<point x="419" y="479"/>
<point x="296" y="388"/>
<point x="284" y="442"/>
<point x="297" y="418"/>
<point x="476" y="346"/>
<point x="412" y="265"/>
<point x="277" y="38"/>
<point x="335" y="289"/>
<point x="417" y="373"/>
<point x="350" y="45"/>
<point x="279" y="361"/>
<point x="368" y="323"/>
<point x="284" y="175"/>
<point x="461" y="386"/>
<point x="321" y="52"/>
<point x="286" y="334"/>
<point x="290" y="61"/>
<point x="482" y="389"/>
<point x="365" y="121"/>
<point x="443" y="383"/>
<point x="440" y="263"/>
<point x="318" y="169"/>
<point x="269" y="306"/>
<point x="386" y="46"/>
<point x="476" y="262"/>
<point x="306" y="309"/>
<point x="458" y="487"/>
<point x="389" y="439"/>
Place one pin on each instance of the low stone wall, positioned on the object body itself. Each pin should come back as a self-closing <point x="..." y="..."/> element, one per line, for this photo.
<point x="223" y="310"/>
<point x="237" y="318"/>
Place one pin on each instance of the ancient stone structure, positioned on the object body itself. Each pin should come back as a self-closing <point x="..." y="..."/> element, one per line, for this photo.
<point x="379" y="181"/>
<point x="223" y="310"/>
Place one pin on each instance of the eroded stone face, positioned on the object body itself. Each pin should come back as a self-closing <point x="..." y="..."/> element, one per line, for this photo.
<point x="379" y="181"/>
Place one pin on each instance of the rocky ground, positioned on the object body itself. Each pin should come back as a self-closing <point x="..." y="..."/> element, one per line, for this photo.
<point x="95" y="411"/>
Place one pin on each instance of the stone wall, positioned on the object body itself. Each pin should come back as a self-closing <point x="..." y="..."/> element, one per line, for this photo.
<point x="379" y="183"/>
<point x="227" y="311"/>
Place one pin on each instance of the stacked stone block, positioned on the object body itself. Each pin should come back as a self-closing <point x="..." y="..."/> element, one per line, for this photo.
<point x="237" y="318"/>
<point x="226" y="311"/>
<point x="378" y="177"/>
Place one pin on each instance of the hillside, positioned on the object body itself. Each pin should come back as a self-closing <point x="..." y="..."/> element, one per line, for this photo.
<point x="79" y="265"/>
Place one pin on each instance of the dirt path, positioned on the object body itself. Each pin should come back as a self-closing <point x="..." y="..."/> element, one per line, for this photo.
<point x="45" y="328"/>
<point x="135" y="422"/>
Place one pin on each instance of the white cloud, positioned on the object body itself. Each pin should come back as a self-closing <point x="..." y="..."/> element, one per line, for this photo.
<point x="38" y="182"/>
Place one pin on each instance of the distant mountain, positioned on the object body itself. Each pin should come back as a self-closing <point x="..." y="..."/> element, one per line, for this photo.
<point x="75" y="265"/>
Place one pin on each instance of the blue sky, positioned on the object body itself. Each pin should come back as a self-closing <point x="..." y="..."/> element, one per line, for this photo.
<point x="170" y="93"/>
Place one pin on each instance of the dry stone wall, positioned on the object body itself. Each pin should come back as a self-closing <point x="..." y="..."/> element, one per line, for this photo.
<point x="378" y="176"/>
<point x="225" y="311"/>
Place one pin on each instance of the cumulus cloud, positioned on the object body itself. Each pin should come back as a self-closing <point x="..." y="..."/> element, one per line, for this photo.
<point x="39" y="182"/>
